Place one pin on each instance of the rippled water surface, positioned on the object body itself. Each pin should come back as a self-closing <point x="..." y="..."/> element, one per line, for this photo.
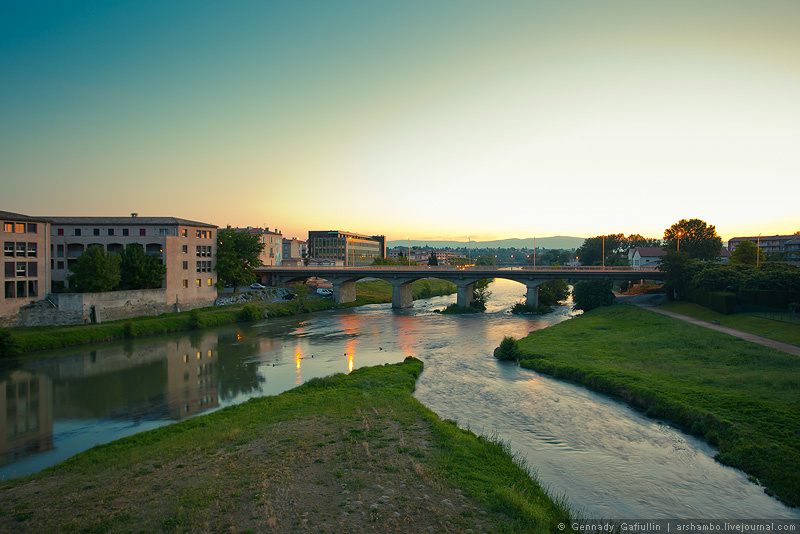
<point x="607" y="459"/>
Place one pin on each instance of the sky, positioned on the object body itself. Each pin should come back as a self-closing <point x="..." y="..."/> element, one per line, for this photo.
<point x="433" y="120"/>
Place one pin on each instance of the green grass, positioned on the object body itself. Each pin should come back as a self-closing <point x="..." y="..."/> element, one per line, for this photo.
<point x="247" y="455"/>
<point x="51" y="337"/>
<point x="742" y="397"/>
<point x="785" y="332"/>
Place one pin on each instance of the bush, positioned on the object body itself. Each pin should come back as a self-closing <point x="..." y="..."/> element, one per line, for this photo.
<point x="521" y="307"/>
<point x="508" y="349"/>
<point x="128" y="329"/>
<point x="590" y="294"/>
<point x="195" y="320"/>
<point x="8" y="345"/>
<point x="249" y="313"/>
<point x="719" y="301"/>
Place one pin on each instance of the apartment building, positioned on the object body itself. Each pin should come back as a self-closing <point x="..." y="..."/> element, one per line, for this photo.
<point x="352" y="249"/>
<point x="788" y="244"/>
<point x="294" y="248"/>
<point x="25" y="275"/>
<point x="187" y="248"/>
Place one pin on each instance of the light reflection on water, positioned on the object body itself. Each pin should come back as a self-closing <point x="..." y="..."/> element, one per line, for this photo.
<point x="610" y="460"/>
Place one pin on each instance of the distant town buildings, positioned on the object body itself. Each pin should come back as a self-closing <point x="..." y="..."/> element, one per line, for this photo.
<point x="786" y="244"/>
<point x="645" y="256"/>
<point x="352" y="249"/>
<point x="294" y="252"/>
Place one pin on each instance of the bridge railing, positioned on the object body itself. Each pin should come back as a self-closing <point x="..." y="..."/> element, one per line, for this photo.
<point x="416" y="268"/>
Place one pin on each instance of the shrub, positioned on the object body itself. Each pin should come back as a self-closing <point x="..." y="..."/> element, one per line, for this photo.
<point x="195" y="320"/>
<point x="128" y="329"/>
<point x="8" y="345"/>
<point x="590" y="294"/>
<point x="508" y="349"/>
<point x="249" y="313"/>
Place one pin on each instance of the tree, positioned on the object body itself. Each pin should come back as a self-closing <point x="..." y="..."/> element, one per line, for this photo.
<point x="679" y="269"/>
<point x="485" y="260"/>
<point x="139" y="270"/>
<point x="433" y="260"/>
<point x="695" y="238"/>
<point x="237" y="257"/>
<point x="747" y="253"/>
<point x="590" y="294"/>
<point x="553" y="291"/>
<point x="95" y="271"/>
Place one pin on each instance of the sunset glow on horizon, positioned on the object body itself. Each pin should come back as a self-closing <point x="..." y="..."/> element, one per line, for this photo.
<point x="428" y="120"/>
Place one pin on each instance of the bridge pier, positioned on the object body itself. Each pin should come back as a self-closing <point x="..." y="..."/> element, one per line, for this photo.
<point x="343" y="291"/>
<point x="402" y="295"/>
<point x="532" y="296"/>
<point x="464" y="293"/>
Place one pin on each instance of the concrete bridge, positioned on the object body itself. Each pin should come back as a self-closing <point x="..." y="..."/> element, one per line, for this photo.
<point x="344" y="279"/>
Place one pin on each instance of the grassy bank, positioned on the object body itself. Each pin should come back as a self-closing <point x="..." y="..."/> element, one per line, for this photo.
<point x="42" y="338"/>
<point x="348" y="453"/>
<point x="785" y="332"/>
<point x="742" y="397"/>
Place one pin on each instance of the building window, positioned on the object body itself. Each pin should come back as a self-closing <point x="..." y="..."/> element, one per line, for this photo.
<point x="184" y="232"/>
<point x="60" y="265"/>
<point x="20" y="228"/>
<point x="33" y="288"/>
<point x="8" y="248"/>
<point x="10" y="293"/>
<point x="22" y="269"/>
<point x="9" y="270"/>
<point x="33" y="269"/>
<point x="198" y="251"/>
<point x="142" y="232"/>
<point x="185" y="249"/>
<point x="60" y="251"/>
<point x="163" y="232"/>
<point x="185" y="284"/>
<point x="209" y="282"/>
<point x="185" y="265"/>
<point x="22" y="289"/>
<point x="32" y="250"/>
<point x="33" y="229"/>
<point x="96" y="231"/>
<point x="198" y="282"/>
<point x="77" y="231"/>
<point x="110" y="231"/>
<point x="60" y="231"/>
<point x="21" y="250"/>
<point x="8" y="227"/>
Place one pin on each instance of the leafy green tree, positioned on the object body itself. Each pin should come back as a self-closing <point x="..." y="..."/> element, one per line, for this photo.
<point x="139" y="270"/>
<point x="433" y="260"/>
<point x="8" y="344"/>
<point x="95" y="271"/>
<point x="237" y="257"/>
<point x="590" y="294"/>
<point x="747" y="253"/>
<point x="485" y="260"/>
<point x="553" y="291"/>
<point x="679" y="269"/>
<point x="694" y="237"/>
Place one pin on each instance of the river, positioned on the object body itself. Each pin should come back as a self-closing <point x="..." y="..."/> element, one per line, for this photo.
<point x="606" y="459"/>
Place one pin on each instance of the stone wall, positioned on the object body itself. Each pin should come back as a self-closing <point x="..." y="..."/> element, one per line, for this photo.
<point x="79" y="308"/>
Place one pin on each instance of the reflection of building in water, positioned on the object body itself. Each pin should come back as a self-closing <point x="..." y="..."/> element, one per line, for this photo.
<point x="26" y="416"/>
<point x="192" y="384"/>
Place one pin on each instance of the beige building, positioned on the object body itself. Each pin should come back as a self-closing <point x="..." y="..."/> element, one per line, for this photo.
<point x="187" y="248"/>
<point x="25" y="275"/>
<point x="295" y="249"/>
<point x="352" y="249"/>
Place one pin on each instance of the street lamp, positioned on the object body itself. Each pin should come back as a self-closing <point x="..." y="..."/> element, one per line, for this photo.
<point x="604" y="253"/>
<point x="758" y="251"/>
<point x="679" y="241"/>
<point x="469" y="250"/>
<point x="534" y="252"/>
<point x="409" y="251"/>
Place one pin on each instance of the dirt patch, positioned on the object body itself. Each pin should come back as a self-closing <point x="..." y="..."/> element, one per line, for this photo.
<point x="362" y="473"/>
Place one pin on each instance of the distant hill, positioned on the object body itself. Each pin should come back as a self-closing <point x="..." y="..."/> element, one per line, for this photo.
<point x="556" y="242"/>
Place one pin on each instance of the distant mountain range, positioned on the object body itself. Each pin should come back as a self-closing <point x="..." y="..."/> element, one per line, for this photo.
<point x="556" y="242"/>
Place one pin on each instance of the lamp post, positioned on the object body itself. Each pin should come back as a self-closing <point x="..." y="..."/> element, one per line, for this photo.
<point x="469" y="250"/>
<point x="679" y="241"/>
<point x="604" y="253"/>
<point x="758" y="251"/>
<point x="534" y="252"/>
<point x="409" y="250"/>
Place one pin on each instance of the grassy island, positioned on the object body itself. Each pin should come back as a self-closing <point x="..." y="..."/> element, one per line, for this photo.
<point x="347" y="453"/>
<point x="742" y="397"/>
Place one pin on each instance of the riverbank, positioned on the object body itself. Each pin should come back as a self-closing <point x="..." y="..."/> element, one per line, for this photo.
<point x="348" y="453"/>
<point x="42" y="338"/>
<point x="741" y="397"/>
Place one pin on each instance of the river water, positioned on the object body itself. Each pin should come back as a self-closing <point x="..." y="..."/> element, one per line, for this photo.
<point x="606" y="459"/>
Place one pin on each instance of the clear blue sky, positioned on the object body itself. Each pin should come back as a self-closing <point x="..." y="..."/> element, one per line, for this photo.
<point x="434" y="120"/>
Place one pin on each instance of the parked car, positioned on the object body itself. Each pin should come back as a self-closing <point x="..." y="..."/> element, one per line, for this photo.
<point x="324" y="291"/>
<point x="289" y="296"/>
<point x="256" y="285"/>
